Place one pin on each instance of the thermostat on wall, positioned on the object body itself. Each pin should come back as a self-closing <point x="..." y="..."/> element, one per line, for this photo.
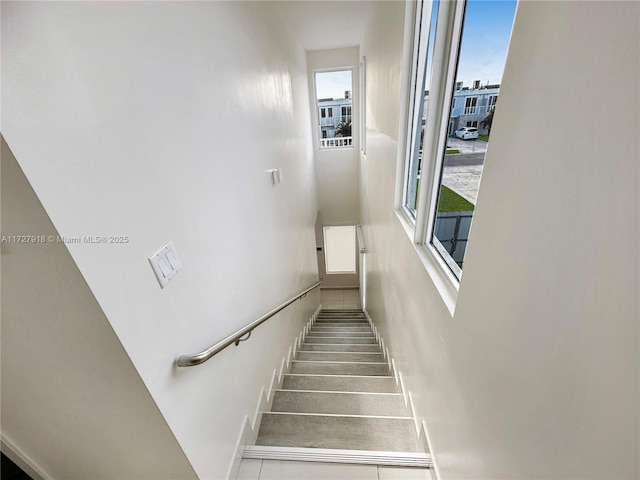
<point x="165" y="264"/>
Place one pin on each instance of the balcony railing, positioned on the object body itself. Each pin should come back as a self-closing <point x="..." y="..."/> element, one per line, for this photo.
<point x="345" y="118"/>
<point x="327" y="122"/>
<point x="336" y="142"/>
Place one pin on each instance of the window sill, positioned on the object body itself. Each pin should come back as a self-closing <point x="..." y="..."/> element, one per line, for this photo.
<point x="443" y="279"/>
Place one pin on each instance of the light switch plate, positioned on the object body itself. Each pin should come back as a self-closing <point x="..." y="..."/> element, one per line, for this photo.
<point x="276" y="176"/>
<point x="165" y="264"/>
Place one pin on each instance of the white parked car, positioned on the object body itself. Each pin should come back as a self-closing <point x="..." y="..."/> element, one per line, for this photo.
<point x="467" y="133"/>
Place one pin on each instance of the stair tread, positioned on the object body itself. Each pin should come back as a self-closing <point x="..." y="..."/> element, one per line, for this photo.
<point x="343" y="328"/>
<point x="342" y="383"/>
<point x="335" y="347"/>
<point x="319" y="333"/>
<point x="348" y="403"/>
<point x="344" y="432"/>
<point x="340" y="340"/>
<point x="339" y="368"/>
<point x="341" y="356"/>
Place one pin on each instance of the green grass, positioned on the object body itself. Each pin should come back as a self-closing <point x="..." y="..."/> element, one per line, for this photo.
<point x="450" y="201"/>
<point x="484" y="138"/>
<point x="452" y="151"/>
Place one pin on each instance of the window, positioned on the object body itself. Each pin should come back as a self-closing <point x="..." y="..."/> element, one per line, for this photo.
<point x="346" y="115"/>
<point x="420" y="105"/>
<point x="470" y="105"/>
<point x="340" y="249"/>
<point x="450" y="119"/>
<point x="363" y="110"/>
<point x="333" y="91"/>
<point x="492" y="102"/>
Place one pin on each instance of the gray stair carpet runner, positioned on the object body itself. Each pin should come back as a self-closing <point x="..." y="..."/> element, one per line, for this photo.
<point x="339" y="401"/>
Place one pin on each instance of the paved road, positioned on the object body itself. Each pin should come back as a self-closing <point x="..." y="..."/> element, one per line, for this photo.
<point x="464" y="159"/>
<point x="467" y="146"/>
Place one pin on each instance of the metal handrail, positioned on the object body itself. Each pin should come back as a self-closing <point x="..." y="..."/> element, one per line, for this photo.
<point x="198" y="358"/>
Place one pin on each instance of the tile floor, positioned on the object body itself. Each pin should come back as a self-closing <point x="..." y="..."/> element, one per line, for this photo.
<point x="285" y="470"/>
<point x="338" y="298"/>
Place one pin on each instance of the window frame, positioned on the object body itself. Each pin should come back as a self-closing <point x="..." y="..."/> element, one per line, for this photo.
<point x="363" y="107"/>
<point x="448" y="36"/>
<point x="318" y="140"/>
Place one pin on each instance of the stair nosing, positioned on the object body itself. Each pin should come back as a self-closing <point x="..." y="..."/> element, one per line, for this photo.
<point x="354" y="353"/>
<point x="335" y="455"/>
<point x="309" y="414"/>
<point x="334" y="375"/>
<point x="339" y="361"/>
<point x="336" y="391"/>
<point x="324" y="336"/>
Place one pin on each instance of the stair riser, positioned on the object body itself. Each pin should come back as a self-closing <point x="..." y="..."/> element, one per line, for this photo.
<point x="341" y="312"/>
<point x="340" y="368"/>
<point x="312" y="347"/>
<point x="341" y="356"/>
<point x="339" y="403"/>
<point x="340" y="383"/>
<point x="341" y="321"/>
<point x="336" y="340"/>
<point x="342" y="328"/>
<point x="351" y="310"/>
<point x="325" y="333"/>
<point x="343" y="318"/>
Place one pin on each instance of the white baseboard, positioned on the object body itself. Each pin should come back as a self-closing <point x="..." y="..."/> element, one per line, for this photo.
<point x="420" y="425"/>
<point x="21" y="459"/>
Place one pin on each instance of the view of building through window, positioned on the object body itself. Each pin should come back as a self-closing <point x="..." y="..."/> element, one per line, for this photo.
<point x="334" y="97"/>
<point x="486" y="31"/>
<point x="474" y="89"/>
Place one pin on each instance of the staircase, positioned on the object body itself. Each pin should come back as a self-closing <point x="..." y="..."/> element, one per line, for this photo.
<point x="339" y="402"/>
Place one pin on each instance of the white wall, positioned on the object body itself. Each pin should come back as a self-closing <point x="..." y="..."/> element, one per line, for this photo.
<point x="159" y="121"/>
<point x="72" y="401"/>
<point x="536" y="375"/>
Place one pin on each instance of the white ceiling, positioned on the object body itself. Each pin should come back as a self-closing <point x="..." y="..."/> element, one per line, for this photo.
<point x="325" y="24"/>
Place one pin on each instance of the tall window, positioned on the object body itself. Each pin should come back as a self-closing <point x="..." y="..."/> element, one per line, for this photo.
<point x="346" y="115"/>
<point x="492" y="102"/>
<point x="452" y="107"/>
<point x="470" y="105"/>
<point x="333" y="91"/>
<point x="424" y="39"/>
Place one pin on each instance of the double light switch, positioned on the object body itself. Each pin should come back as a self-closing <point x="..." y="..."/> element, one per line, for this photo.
<point x="165" y="264"/>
